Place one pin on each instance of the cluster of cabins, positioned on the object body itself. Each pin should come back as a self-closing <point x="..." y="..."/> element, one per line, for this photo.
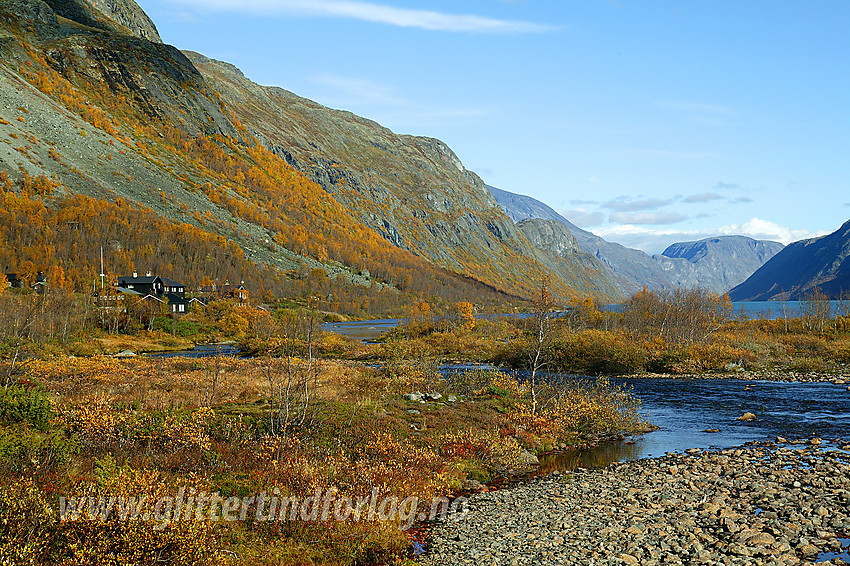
<point x="151" y="289"/>
<point x="15" y="282"/>
<point x="173" y="293"/>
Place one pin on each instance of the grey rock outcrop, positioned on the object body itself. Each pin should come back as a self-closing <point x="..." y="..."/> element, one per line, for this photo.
<point x="130" y="15"/>
<point x="31" y="10"/>
<point x="550" y="236"/>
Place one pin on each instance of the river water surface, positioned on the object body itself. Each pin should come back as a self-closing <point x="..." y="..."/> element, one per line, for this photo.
<point x="684" y="408"/>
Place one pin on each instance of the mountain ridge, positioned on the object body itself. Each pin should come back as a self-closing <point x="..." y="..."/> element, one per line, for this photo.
<point x="801" y="267"/>
<point x="716" y="263"/>
<point x="413" y="190"/>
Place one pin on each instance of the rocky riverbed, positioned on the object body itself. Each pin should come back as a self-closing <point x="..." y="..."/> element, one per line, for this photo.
<point x="838" y="378"/>
<point x="762" y="504"/>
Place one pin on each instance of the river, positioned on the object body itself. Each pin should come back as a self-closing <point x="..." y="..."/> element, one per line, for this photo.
<point x="684" y="408"/>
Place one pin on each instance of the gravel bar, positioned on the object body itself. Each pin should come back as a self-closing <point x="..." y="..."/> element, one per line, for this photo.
<point x="761" y="504"/>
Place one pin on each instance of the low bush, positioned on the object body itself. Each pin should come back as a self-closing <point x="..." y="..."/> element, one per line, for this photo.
<point x="597" y="352"/>
<point x="807" y="364"/>
<point x="26" y="405"/>
<point x="22" y="448"/>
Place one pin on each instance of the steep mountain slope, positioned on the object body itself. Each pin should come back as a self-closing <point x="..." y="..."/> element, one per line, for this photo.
<point x="799" y="268"/>
<point x="88" y="111"/>
<point x="89" y="108"/>
<point x="578" y="268"/>
<point x="717" y="264"/>
<point x="631" y="269"/>
<point x="412" y="190"/>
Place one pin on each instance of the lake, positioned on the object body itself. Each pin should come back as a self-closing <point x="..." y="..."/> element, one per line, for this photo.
<point x="371" y="330"/>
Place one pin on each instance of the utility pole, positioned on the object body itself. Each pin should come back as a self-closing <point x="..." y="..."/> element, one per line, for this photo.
<point x="102" y="275"/>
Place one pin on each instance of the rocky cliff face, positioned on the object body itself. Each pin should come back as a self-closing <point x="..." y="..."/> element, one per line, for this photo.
<point x="87" y="45"/>
<point x="799" y="268"/>
<point x="580" y="269"/>
<point x="39" y="135"/>
<point x="130" y="15"/>
<point x="550" y="236"/>
<point x="120" y="16"/>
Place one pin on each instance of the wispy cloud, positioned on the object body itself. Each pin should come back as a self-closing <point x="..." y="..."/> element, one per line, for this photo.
<point x="726" y="186"/>
<point x="582" y="217"/>
<point x="701" y="113"/>
<point x="741" y="200"/>
<point x="385" y="104"/>
<point x="655" y="240"/>
<point x="376" y="13"/>
<point x="181" y="17"/>
<point x="623" y="204"/>
<point x="659" y="217"/>
<point x="717" y="109"/>
<point x="702" y="197"/>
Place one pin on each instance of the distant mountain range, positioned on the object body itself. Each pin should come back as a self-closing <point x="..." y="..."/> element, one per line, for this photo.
<point x="799" y="268"/>
<point x="717" y="263"/>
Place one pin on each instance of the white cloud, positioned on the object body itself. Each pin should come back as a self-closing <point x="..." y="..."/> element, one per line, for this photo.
<point x="377" y="13"/>
<point x="582" y="217"/>
<point x="703" y="197"/>
<point x="650" y="240"/>
<point x="623" y="204"/>
<point x="655" y="240"/>
<point x="649" y="217"/>
<point x="767" y="230"/>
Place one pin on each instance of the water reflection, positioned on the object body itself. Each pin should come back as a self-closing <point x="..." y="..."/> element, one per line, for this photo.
<point x="364" y="330"/>
<point x="596" y="457"/>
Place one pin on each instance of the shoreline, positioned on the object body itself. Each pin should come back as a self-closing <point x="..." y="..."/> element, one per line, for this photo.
<point x="842" y="378"/>
<point x="759" y="504"/>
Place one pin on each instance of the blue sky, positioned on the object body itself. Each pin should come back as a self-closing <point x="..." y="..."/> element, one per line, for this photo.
<point x="645" y="122"/>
